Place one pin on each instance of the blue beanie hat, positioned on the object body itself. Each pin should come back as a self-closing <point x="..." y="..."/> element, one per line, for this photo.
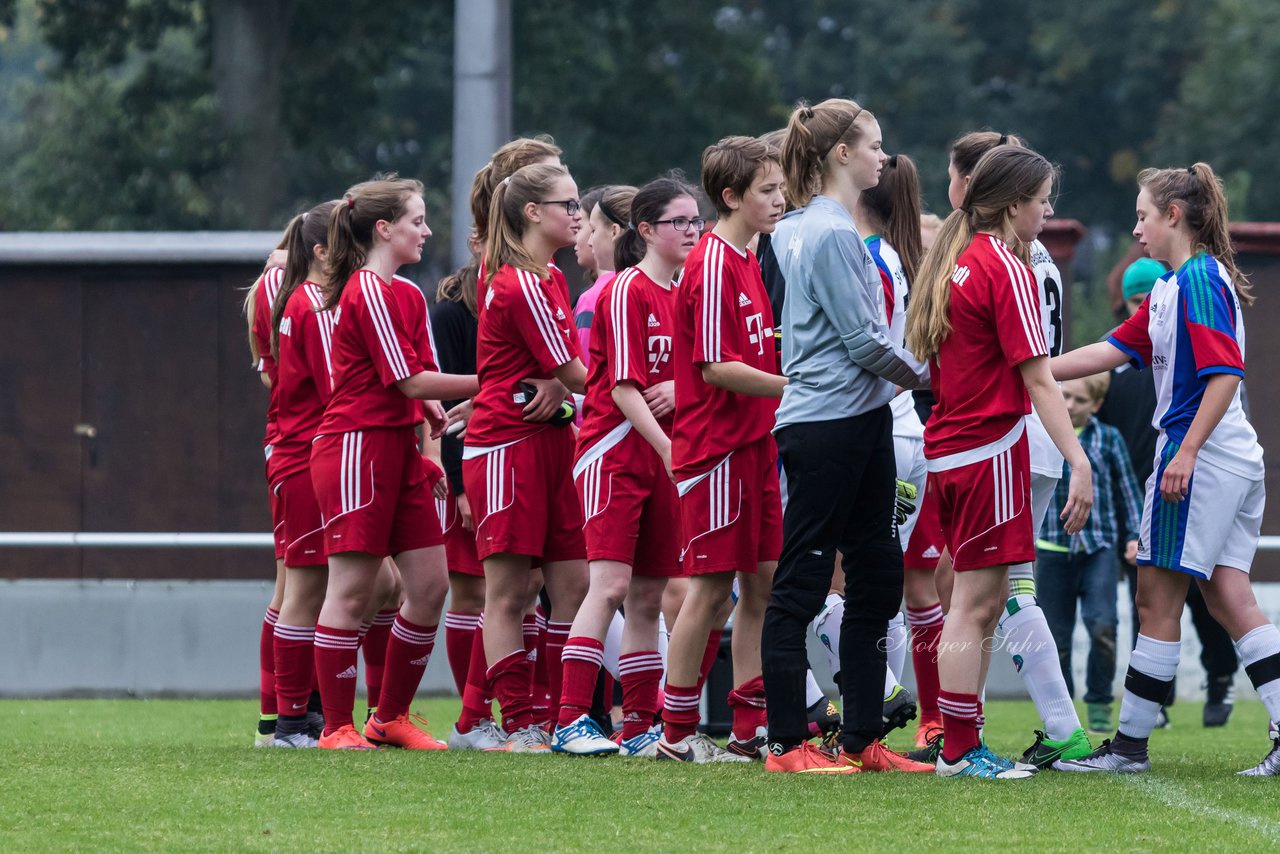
<point x="1140" y="277"/>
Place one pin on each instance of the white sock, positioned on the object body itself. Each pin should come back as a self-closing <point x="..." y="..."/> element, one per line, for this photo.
<point x="896" y="645"/>
<point x="663" y="637"/>
<point x="1035" y="656"/>
<point x="827" y="627"/>
<point x="1260" y="653"/>
<point x="1152" y="667"/>
<point x="890" y="682"/>
<point x="813" y="692"/>
<point x="613" y="644"/>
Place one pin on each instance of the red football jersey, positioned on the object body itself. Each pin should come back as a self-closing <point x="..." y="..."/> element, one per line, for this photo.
<point x="381" y="337"/>
<point x="264" y="300"/>
<point x="305" y="379"/>
<point x="557" y="278"/>
<point x="631" y="341"/>
<point x="995" y="326"/>
<point x="722" y="315"/>
<point x="525" y="330"/>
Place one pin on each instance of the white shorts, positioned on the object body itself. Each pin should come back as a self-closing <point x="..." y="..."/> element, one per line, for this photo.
<point x="1217" y="524"/>
<point x="1042" y="487"/>
<point x="908" y="453"/>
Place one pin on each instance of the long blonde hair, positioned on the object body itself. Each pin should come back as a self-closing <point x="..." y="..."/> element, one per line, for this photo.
<point x="1006" y="175"/>
<point x="1199" y="193"/>
<point x="507" y="222"/>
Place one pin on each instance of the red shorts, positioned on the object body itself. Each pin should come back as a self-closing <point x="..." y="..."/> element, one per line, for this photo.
<point x="731" y="517"/>
<point x="631" y="506"/>
<point x="302" y="526"/>
<point x="523" y="500"/>
<point x="277" y="524"/>
<point x="984" y="509"/>
<point x="927" y="542"/>
<point x="459" y="543"/>
<point x="371" y="487"/>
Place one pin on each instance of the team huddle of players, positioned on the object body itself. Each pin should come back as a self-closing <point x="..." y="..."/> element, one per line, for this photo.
<point x="597" y="493"/>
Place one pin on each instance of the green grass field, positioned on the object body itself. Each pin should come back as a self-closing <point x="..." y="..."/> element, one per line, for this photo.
<point x="180" y="775"/>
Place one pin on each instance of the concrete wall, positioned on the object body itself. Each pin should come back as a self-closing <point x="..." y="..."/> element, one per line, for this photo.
<point x="200" y="638"/>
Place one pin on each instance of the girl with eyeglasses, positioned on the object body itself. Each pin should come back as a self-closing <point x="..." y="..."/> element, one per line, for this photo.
<point x="623" y="471"/>
<point x="517" y="471"/>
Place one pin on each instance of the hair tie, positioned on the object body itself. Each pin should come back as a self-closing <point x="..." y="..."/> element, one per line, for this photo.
<point x="1004" y="139"/>
<point x="351" y="203"/>
<point x="893" y="161"/>
<point x="631" y="226"/>
<point x="963" y="210"/>
<point x="806" y="112"/>
<point x="506" y="182"/>
<point x="1191" y="170"/>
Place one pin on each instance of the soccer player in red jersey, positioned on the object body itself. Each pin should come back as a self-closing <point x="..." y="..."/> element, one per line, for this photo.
<point x="302" y="332"/>
<point x="975" y="316"/>
<point x="517" y="465"/>
<point x="257" y="306"/>
<point x="723" y="456"/>
<point x="371" y="483"/>
<point x="623" y="471"/>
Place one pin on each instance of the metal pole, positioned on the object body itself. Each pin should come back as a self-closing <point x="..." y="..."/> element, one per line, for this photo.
<point x="481" y="101"/>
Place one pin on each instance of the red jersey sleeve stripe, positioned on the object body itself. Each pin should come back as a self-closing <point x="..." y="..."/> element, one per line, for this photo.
<point x="542" y="316"/>
<point x="1024" y="292"/>
<point x="712" y="282"/>
<point x="618" y="317"/>
<point x="387" y="338"/>
<point x="324" y="323"/>
<point x="272" y="280"/>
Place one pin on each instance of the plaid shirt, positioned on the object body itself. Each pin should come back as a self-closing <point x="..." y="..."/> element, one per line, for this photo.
<point x="1115" y="491"/>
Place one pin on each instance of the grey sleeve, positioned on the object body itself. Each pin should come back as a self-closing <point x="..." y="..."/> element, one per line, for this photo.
<point x="841" y="289"/>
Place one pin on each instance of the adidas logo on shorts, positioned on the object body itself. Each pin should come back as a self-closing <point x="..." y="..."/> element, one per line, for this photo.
<point x="349" y="673"/>
<point x="653" y="320"/>
<point x="932" y="552"/>
<point x="743" y="302"/>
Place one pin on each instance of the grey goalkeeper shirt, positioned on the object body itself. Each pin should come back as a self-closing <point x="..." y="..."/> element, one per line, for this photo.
<point x="836" y="351"/>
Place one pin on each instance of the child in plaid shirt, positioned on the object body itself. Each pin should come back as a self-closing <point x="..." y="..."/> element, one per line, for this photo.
<point x="1071" y="567"/>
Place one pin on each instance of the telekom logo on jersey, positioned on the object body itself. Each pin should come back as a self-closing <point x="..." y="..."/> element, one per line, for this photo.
<point x="659" y="352"/>
<point x="755" y="331"/>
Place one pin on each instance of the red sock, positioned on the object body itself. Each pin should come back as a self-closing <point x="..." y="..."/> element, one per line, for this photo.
<point x="557" y="635"/>
<point x="640" y="673"/>
<point x="680" y="714"/>
<point x="336" y="674"/>
<point x="476" y="696"/>
<point x="747" y="702"/>
<point x="582" y="660"/>
<point x="267" y="663"/>
<point x="959" y="723"/>
<point x="459" y="635"/>
<point x="535" y="628"/>
<point x="926" y="628"/>
<point x="709" y="656"/>
<point x="510" y="679"/>
<point x="295" y="659"/>
<point x="408" y="651"/>
<point x="374" y="645"/>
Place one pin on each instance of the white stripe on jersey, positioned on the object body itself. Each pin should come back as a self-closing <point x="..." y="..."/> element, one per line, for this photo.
<point x="324" y="322"/>
<point x="377" y="307"/>
<point x="712" y="282"/>
<point x="618" y="314"/>
<point x="431" y="338"/>
<point x="543" y="316"/>
<point x="271" y="281"/>
<point x="1025" y="292"/>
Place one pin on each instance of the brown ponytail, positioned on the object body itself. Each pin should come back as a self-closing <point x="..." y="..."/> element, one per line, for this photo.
<point x="507" y="222"/>
<point x="514" y="155"/>
<point x="305" y="232"/>
<point x="1005" y="176"/>
<point x="1199" y="194"/>
<point x="895" y="201"/>
<point x="460" y="287"/>
<point x="811" y="134"/>
<point x="351" y="227"/>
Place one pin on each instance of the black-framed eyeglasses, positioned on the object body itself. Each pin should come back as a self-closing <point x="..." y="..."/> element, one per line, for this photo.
<point x="682" y="223"/>
<point x="571" y="206"/>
